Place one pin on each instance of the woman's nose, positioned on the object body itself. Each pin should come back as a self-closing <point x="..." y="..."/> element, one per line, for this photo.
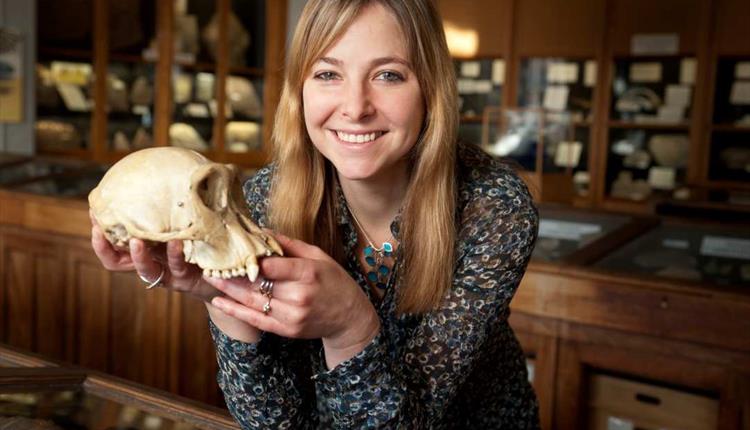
<point x="357" y="104"/>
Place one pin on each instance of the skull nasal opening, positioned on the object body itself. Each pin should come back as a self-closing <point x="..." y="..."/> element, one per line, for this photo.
<point x="212" y="189"/>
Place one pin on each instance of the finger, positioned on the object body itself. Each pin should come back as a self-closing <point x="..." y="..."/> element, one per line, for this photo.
<point x="296" y="248"/>
<point x="287" y="269"/>
<point x="92" y="218"/>
<point x="176" y="259"/>
<point x="144" y="263"/>
<point x="255" y="318"/>
<point x="111" y="259"/>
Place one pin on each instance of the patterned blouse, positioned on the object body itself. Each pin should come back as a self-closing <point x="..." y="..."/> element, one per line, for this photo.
<point x="459" y="366"/>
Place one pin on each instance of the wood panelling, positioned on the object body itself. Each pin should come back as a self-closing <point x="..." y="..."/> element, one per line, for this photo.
<point x="570" y="27"/>
<point x="648" y="16"/>
<point x="623" y="305"/>
<point x="20" y="301"/>
<point x="488" y="18"/>
<point x="50" y="307"/>
<point x="196" y="351"/>
<point x="90" y="283"/>
<point x="732" y="29"/>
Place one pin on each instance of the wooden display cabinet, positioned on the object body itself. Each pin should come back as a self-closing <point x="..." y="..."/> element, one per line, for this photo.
<point x="35" y="390"/>
<point x="135" y="70"/>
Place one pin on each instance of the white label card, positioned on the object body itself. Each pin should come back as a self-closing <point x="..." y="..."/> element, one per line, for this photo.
<point x="471" y="69"/>
<point x="498" y="72"/>
<point x="73" y="97"/>
<point x="659" y="44"/>
<point x="740" y="94"/>
<point x="675" y="243"/>
<point x="589" y="73"/>
<point x="742" y="70"/>
<point x="556" y="97"/>
<point x="562" y="73"/>
<point x="566" y="230"/>
<point x="661" y="178"/>
<point x="726" y="247"/>
<point x="678" y="95"/>
<point x="645" y="72"/>
<point x="687" y="71"/>
<point x="670" y="114"/>
<point x="568" y="154"/>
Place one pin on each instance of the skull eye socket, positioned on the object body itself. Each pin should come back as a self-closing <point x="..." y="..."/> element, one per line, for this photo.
<point x="212" y="190"/>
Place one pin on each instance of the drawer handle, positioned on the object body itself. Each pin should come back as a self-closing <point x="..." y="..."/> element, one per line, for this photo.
<point x="645" y="398"/>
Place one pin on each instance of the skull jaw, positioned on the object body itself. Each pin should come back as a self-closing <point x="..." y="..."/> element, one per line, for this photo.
<point x="230" y="254"/>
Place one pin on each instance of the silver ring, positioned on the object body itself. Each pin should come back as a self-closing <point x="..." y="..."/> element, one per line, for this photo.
<point x="154" y="283"/>
<point x="267" y="306"/>
<point x="266" y="288"/>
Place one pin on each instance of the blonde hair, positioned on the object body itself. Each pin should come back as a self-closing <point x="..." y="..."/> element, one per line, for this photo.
<point x="303" y="194"/>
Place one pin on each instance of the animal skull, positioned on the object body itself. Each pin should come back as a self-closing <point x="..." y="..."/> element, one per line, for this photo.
<point x="166" y="193"/>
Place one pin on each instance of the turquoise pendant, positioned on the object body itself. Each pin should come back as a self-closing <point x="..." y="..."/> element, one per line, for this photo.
<point x="372" y="276"/>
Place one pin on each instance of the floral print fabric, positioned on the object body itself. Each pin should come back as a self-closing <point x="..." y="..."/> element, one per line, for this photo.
<point x="456" y="367"/>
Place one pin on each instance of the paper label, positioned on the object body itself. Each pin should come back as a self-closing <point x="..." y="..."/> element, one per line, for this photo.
<point x="740" y="94"/>
<point x="589" y="73"/>
<point x="661" y="178"/>
<point x="562" y="73"/>
<point x="645" y="72"/>
<point x="73" y="97"/>
<point x="670" y="114"/>
<point x="566" y="230"/>
<point x="687" y="71"/>
<point x="568" y="154"/>
<point x="678" y="95"/>
<point x="659" y="44"/>
<point x="471" y="69"/>
<point x="556" y="97"/>
<point x="725" y="247"/>
<point x="742" y="70"/>
<point x="71" y="73"/>
<point x="498" y="72"/>
<point x="675" y="243"/>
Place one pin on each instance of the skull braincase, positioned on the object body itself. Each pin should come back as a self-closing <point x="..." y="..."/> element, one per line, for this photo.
<point x="167" y="193"/>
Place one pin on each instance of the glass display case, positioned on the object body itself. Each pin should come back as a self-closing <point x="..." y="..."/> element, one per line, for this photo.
<point x="729" y="154"/>
<point x="30" y="169"/>
<point x="649" y="135"/>
<point x="686" y="252"/>
<point x="57" y="398"/>
<point x="131" y="75"/>
<point x="480" y="85"/>
<point x="563" y="232"/>
<point x="64" y="76"/>
<point x="563" y="88"/>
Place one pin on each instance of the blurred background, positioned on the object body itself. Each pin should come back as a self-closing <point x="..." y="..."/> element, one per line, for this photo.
<point x="628" y="119"/>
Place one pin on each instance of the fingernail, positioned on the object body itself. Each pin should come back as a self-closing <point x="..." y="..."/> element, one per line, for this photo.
<point x="134" y="245"/>
<point x="217" y="302"/>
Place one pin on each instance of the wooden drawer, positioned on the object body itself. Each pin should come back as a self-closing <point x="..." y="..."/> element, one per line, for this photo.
<point x="616" y="403"/>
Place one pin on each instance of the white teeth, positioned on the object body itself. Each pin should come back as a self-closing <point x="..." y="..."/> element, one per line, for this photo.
<point x="216" y="274"/>
<point x="235" y="272"/>
<point x="206" y="272"/>
<point x="252" y="272"/>
<point x="226" y="274"/>
<point x="241" y="271"/>
<point x="358" y="138"/>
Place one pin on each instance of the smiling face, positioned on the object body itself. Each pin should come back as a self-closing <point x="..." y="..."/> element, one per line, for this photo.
<point x="363" y="105"/>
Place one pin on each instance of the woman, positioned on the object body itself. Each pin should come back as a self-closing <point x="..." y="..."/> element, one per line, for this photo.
<point x="390" y="307"/>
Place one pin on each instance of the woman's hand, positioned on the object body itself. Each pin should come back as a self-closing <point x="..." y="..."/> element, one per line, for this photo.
<point x="313" y="297"/>
<point x="179" y="275"/>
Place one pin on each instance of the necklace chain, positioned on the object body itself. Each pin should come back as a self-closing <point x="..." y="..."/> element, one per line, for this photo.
<point x="364" y="232"/>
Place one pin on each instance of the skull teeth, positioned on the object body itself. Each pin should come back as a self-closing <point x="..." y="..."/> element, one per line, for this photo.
<point x="252" y="272"/>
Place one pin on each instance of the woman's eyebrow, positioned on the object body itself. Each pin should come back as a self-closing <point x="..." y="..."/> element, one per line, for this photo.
<point x="374" y="63"/>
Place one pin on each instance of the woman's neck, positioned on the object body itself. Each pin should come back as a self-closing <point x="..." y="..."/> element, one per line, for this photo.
<point x="376" y="202"/>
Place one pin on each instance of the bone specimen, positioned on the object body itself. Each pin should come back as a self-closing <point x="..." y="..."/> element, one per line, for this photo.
<point x="167" y="193"/>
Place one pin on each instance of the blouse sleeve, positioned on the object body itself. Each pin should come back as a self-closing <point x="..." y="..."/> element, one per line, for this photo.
<point x="376" y="390"/>
<point x="265" y="384"/>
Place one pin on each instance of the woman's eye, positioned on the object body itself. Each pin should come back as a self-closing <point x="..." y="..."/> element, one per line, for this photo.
<point x="325" y="76"/>
<point x="390" y="76"/>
